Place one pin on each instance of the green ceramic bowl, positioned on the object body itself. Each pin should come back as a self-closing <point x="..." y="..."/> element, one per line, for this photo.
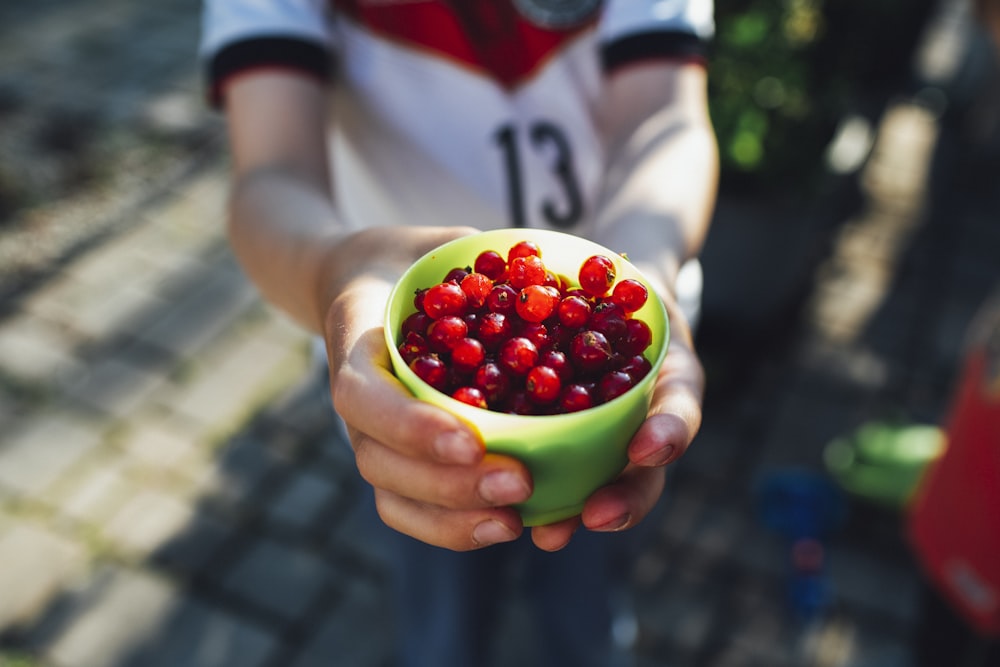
<point x="569" y="455"/>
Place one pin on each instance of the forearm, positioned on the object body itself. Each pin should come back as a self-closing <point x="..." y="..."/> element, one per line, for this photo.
<point x="662" y="182"/>
<point x="284" y="232"/>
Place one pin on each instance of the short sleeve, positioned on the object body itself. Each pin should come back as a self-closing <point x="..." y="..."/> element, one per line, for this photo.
<point x="241" y="35"/>
<point x="633" y="30"/>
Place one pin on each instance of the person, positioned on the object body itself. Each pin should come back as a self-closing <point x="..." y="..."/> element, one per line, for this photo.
<point x="364" y="133"/>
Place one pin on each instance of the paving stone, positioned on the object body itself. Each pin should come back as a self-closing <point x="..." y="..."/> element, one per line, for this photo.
<point x="238" y="470"/>
<point x="300" y="503"/>
<point x="358" y="529"/>
<point x="681" y="619"/>
<point x="685" y="505"/>
<point x="280" y="578"/>
<point x="117" y="385"/>
<point x="112" y="315"/>
<point x="713" y="455"/>
<point x="133" y="618"/>
<point x="889" y="588"/>
<point x="34" y="456"/>
<point x="60" y="299"/>
<point x="159" y="443"/>
<point x="759" y="639"/>
<point x="34" y="350"/>
<point x="195" y="215"/>
<point x="202" y="314"/>
<point x="98" y="493"/>
<point x="720" y="531"/>
<point x="358" y="631"/>
<point x="879" y="649"/>
<point x="115" y="262"/>
<point x="200" y="636"/>
<point x="13" y="406"/>
<point x="146" y="522"/>
<point x="230" y="383"/>
<point x="37" y="563"/>
<point x="305" y="407"/>
<point x="190" y="550"/>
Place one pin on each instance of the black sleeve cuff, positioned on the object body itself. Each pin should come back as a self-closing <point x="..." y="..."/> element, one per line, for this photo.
<point x="265" y="52"/>
<point x="657" y="45"/>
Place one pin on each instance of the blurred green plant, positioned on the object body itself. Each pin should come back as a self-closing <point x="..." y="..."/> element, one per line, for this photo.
<point x="12" y="660"/>
<point x="784" y="72"/>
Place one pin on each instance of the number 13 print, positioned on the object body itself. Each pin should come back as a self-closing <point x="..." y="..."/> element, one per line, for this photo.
<point x="544" y="137"/>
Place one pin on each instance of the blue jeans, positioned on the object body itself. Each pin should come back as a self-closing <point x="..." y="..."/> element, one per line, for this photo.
<point x="448" y="602"/>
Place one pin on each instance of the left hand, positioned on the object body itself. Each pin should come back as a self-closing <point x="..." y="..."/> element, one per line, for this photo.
<point x="674" y="419"/>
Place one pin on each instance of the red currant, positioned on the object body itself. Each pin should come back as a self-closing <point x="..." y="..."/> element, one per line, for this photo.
<point x="613" y="384"/>
<point x="597" y="275"/>
<point x="523" y="249"/>
<point x="470" y="396"/>
<point x="418" y="298"/>
<point x="444" y="299"/>
<point x="537" y="333"/>
<point x="494" y="328"/>
<point x="445" y="332"/>
<point x="518" y="403"/>
<point x="590" y="351"/>
<point x="524" y="271"/>
<point x="457" y="274"/>
<point x="574" y="311"/>
<point x="502" y="299"/>
<point x="430" y="369"/>
<point x="536" y="303"/>
<point x="609" y="319"/>
<point x="542" y="384"/>
<point x="477" y="287"/>
<point x="630" y="294"/>
<point x="467" y="354"/>
<point x="413" y="346"/>
<point x="575" y="397"/>
<point x="492" y="382"/>
<point x="637" y="366"/>
<point x="557" y="361"/>
<point x="491" y="264"/>
<point x="518" y="355"/>
<point x="417" y="323"/>
<point x="638" y="336"/>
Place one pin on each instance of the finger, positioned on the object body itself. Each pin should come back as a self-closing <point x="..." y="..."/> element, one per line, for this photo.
<point x="494" y="481"/>
<point x="626" y="501"/>
<point x="451" y="529"/>
<point x="374" y="402"/>
<point x="675" y="410"/>
<point x="555" y="536"/>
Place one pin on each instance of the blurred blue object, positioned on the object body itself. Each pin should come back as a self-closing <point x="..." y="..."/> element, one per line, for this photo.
<point x="805" y="507"/>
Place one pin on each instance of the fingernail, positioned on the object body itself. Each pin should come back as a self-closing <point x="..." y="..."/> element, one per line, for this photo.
<point x="491" y="532"/>
<point x="456" y="447"/>
<point x="615" y="524"/>
<point x="658" y="457"/>
<point x="503" y="488"/>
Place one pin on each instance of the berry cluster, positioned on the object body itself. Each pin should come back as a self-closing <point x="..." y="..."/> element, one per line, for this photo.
<point x="507" y="334"/>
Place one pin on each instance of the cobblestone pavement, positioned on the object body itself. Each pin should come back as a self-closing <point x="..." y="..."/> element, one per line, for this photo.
<point x="172" y="489"/>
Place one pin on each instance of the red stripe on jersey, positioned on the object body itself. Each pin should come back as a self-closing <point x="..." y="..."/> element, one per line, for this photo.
<point x="487" y="35"/>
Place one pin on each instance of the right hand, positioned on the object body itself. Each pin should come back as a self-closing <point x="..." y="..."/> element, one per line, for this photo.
<point x="431" y="475"/>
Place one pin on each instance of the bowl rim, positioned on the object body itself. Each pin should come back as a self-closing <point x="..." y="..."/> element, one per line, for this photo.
<point x="470" y="412"/>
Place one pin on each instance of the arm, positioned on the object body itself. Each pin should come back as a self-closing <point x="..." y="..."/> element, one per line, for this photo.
<point x="660" y="192"/>
<point x="431" y="477"/>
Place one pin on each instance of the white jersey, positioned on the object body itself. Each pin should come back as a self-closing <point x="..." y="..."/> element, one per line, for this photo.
<point x="478" y="112"/>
